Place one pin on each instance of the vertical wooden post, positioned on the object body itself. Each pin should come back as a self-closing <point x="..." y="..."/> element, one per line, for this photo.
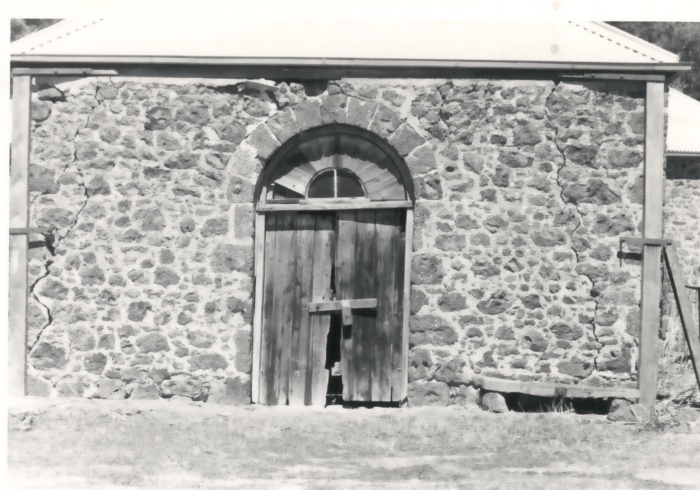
<point x="406" y="302"/>
<point x="257" y="315"/>
<point x="654" y="145"/>
<point x="19" y="244"/>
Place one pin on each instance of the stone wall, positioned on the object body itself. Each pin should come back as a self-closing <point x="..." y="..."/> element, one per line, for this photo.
<point x="682" y="225"/>
<point x="522" y="187"/>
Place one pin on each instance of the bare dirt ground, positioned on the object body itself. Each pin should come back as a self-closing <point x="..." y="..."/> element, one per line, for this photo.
<point x="100" y="444"/>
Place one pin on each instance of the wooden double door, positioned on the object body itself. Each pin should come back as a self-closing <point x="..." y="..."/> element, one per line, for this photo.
<point x="319" y="264"/>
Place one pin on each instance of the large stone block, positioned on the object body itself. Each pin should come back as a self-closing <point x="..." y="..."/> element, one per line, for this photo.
<point x="47" y="356"/>
<point x="405" y="139"/>
<point x="153" y="342"/>
<point x="426" y="269"/>
<point x="229" y="258"/>
<point x="182" y="385"/>
<point x="81" y="338"/>
<point x="431" y="393"/>
<point x="360" y="113"/>
<point x="211" y="361"/>
<point x="431" y="329"/>
<point x="497" y="303"/>
<point x="232" y="391"/>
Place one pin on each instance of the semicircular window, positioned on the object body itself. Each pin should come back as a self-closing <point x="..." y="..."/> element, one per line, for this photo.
<point x="336" y="165"/>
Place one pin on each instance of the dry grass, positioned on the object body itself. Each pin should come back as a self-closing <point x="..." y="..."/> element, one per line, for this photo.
<point x="676" y="379"/>
<point x="83" y="444"/>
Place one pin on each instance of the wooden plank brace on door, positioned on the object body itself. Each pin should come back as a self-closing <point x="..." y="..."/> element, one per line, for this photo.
<point x="344" y="306"/>
<point x="354" y="304"/>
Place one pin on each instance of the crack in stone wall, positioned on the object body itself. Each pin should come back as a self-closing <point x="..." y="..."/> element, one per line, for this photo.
<point x="594" y="293"/>
<point x="53" y="247"/>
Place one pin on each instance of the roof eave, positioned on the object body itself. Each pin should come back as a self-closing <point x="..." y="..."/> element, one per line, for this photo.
<point x="681" y="153"/>
<point x="49" y="61"/>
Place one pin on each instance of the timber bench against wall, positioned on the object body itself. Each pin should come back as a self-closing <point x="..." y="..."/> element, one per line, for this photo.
<point x="335" y="163"/>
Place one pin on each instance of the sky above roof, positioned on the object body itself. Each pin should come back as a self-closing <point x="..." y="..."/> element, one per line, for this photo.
<point x="545" y="41"/>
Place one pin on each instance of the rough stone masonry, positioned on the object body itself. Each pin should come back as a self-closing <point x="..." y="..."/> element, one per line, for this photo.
<point x="523" y="189"/>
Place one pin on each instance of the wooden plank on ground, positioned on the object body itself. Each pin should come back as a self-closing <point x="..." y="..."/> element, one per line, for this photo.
<point x="19" y="244"/>
<point x="364" y="321"/>
<point x="320" y="324"/>
<point x="344" y="275"/>
<point x="298" y="361"/>
<point x="685" y="309"/>
<point x="259" y="299"/>
<point x="651" y="265"/>
<point x="388" y="317"/>
<point x="537" y="388"/>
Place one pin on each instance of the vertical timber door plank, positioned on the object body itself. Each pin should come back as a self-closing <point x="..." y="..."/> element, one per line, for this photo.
<point x="654" y="145"/>
<point x="364" y="321"/>
<point x="288" y="307"/>
<point x="19" y="244"/>
<point x="402" y="264"/>
<point x="281" y="308"/>
<point x="299" y="360"/>
<point x="320" y="324"/>
<point x="387" y="298"/>
<point x="259" y="302"/>
<point x="268" y="332"/>
<point x="344" y="275"/>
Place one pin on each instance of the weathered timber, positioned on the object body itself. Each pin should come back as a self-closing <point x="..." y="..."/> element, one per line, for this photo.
<point x="258" y="309"/>
<point x="27" y="231"/>
<point x="388" y="319"/>
<point x="364" y="321"/>
<point x="399" y="382"/>
<point x="322" y="306"/>
<point x="538" y="388"/>
<point x="19" y="244"/>
<point x="651" y="265"/>
<point x="335" y="205"/>
<point x="299" y="357"/>
<point x="344" y="276"/>
<point x="320" y="324"/>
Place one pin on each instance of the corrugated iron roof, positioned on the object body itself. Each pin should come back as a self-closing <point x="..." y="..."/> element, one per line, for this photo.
<point x="549" y="41"/>
<point x="683" y="123"/>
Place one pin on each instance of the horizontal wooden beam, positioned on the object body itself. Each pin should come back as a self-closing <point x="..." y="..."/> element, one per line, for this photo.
<point x="640" y="241"/>
<point x="63" y="71"/>
<point x="338" y="305"/>
<point x="27" y="231"/>
<point x="688" y="154"/>
<point x="335" y="205"/>
<point x="644" y="77"/>
<point x="565" y="390"/>
<point x="609" y="67"/>
<point x="275" y="68"/>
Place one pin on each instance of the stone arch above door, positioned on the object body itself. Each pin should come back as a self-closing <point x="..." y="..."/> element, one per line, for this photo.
<point x="354" y="152"/>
